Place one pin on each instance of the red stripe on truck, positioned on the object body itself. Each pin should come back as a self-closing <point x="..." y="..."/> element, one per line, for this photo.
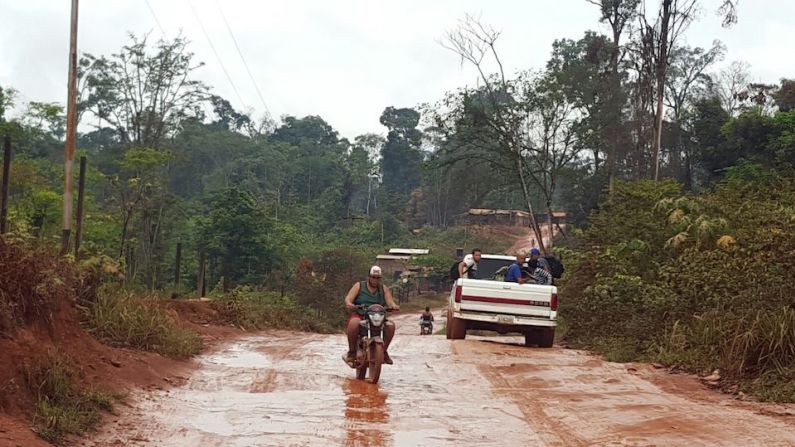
<point x="486" y="299"/>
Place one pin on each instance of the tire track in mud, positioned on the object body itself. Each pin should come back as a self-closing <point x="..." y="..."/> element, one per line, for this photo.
<point x="291" y="389"/>
<point x="571" y="398"/>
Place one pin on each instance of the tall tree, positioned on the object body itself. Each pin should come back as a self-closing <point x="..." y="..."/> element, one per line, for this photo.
<point x="524" y="128"/>
<point x="143" y="93"/>
<point x="401" y="155"/>
<point x="687" y="80"/>
<point x="658" y="39"/>
<point x="618" y="14"/>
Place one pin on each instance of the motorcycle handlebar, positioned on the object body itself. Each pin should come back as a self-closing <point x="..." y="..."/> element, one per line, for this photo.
<point x="364" y="307"/>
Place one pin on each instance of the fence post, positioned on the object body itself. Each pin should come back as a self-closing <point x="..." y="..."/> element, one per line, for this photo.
<point x="81" y="186"/>
<point x="177" y="266"/>
<point x="200" y="278"/>
<point x="6" y="173"/>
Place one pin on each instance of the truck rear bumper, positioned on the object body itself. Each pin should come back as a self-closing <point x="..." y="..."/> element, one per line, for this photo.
<point x="496" y="320"/>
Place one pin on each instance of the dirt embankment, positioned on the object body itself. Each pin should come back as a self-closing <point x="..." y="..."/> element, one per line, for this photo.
<point x="93" y="365"/>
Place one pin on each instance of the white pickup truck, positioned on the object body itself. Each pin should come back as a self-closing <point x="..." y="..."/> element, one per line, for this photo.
<point x="490" y="304"/>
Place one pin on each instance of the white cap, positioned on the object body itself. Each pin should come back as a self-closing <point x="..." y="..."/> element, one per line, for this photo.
<point x="375" y="271"/>
<point x="469" y="260"/>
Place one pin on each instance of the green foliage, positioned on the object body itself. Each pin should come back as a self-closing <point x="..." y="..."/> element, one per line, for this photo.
<point x="438" y="266"/>
<point x="34" y="284"/>
<point x="237" y="232"/>
<point x="120" y="319"/>
<point x="692" y="282"/>
<point x="402" y="158"/>
<point x="63" y="407"/>
<point x="251" y="309"/>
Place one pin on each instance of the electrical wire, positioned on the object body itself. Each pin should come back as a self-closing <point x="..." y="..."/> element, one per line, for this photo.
<point x="217" y="56"/>
<point x="243" y="59"/>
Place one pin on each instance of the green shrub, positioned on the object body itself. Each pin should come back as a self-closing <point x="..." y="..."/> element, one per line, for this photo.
<point x="121" y="319"/>
<point x="703" y="281"/>
<point x="252" y="309"/>
<point x="62" y="407"/>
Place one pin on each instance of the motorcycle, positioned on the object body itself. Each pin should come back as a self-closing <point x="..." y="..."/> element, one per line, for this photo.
<point x="426" y="327"/>
<point x="370" y="344"/>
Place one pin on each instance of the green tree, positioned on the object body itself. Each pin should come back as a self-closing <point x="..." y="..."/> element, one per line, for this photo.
<point x="235" y="232"/>
<point x="143" y="93"/>
<point x="401" y="155"/>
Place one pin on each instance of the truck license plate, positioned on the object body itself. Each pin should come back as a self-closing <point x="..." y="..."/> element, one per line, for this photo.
<point x="505" y="319"/>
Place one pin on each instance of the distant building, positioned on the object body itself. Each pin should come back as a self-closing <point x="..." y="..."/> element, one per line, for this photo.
<point x="399" y="260"/>
<point x="516" y="218"/>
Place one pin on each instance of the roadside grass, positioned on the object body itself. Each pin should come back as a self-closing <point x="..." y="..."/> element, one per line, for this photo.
<point x="62" y="407"/>
<point x="759" y="343"/>
<point x="120" y="319"/>
<point x="249" y="309"/>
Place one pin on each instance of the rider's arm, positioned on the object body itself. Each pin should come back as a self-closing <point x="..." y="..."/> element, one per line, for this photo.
<point x="390" y="301"/>
<point x="351" y="296"/>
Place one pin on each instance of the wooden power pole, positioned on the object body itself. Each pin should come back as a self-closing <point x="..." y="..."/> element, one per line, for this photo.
<point x="71" y="132"/>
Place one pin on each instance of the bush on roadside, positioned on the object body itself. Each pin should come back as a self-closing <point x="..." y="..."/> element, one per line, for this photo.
<point x="63" y="408"/>
<point x="249" y="309"/>
<point x="701" y="282"/>
<point x="121" y="319"/>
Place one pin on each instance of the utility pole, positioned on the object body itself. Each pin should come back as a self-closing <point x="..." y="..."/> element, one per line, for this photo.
<point x="4" y="191"/>
<point x="71" y="132"/>
<point x="81" y="187"/>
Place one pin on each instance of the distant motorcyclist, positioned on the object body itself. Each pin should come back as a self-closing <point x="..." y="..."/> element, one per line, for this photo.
<point x="427" y="315"/>
<point x="367" y="293"/>
<point x="426" y="321"/>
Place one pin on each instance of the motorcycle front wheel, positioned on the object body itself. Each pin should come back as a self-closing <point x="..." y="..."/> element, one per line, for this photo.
<point x="376" y="359"/>
<point x="361" y="369"/>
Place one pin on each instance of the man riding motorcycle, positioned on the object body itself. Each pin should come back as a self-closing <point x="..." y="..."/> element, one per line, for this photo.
<point x="426" y="319"/>
<point x="366" y="293"/>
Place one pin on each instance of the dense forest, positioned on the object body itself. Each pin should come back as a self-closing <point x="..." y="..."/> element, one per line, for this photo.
<point x="170" y="162"/>
<point x="674" y="165"/>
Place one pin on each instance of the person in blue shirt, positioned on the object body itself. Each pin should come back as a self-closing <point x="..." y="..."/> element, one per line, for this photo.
<point x="515" y="271"/>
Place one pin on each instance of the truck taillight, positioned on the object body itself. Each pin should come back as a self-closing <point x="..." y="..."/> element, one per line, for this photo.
<point x="553" y="304"/>
<point x="457" y="294"/>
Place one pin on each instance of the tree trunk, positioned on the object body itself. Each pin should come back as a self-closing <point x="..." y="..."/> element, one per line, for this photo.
<point x="661" y="69"/>
<point x="551" y="227"/>
<point x="526" y="193"/>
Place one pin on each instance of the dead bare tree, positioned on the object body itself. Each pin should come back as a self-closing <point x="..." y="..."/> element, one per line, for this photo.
<point x="658" y="38"/>
<point x="731" y="83"/>
<point x="618" y="14"/>
<point x="475" y="43"/>
<point x="673" y="17"/>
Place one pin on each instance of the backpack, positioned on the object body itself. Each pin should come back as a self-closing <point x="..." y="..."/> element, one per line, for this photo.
<point x="454" y="270"/>
<point x="555" y="266"/>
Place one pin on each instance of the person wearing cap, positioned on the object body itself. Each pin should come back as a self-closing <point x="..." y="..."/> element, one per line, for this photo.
<point x="542" y="274"/>
<point x="533" y="261"/>
<point x="366" y="293"/>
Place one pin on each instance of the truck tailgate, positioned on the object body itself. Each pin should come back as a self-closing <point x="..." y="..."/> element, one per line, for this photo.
<point x="506" y="298"/>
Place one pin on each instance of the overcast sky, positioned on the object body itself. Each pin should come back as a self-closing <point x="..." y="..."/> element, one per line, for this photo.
<point x="345" y="60"/>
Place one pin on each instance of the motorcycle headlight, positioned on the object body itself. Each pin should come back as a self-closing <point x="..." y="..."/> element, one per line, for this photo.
<point x="377" y="318"/>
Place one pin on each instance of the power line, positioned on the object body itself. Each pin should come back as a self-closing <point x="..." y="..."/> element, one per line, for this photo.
<point x="217" y="57"/>
<point x="151" y="10"/>
<point x="243" y="59"/>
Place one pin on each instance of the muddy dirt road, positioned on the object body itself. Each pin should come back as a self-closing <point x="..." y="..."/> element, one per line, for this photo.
<point x="286" y="389"/>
